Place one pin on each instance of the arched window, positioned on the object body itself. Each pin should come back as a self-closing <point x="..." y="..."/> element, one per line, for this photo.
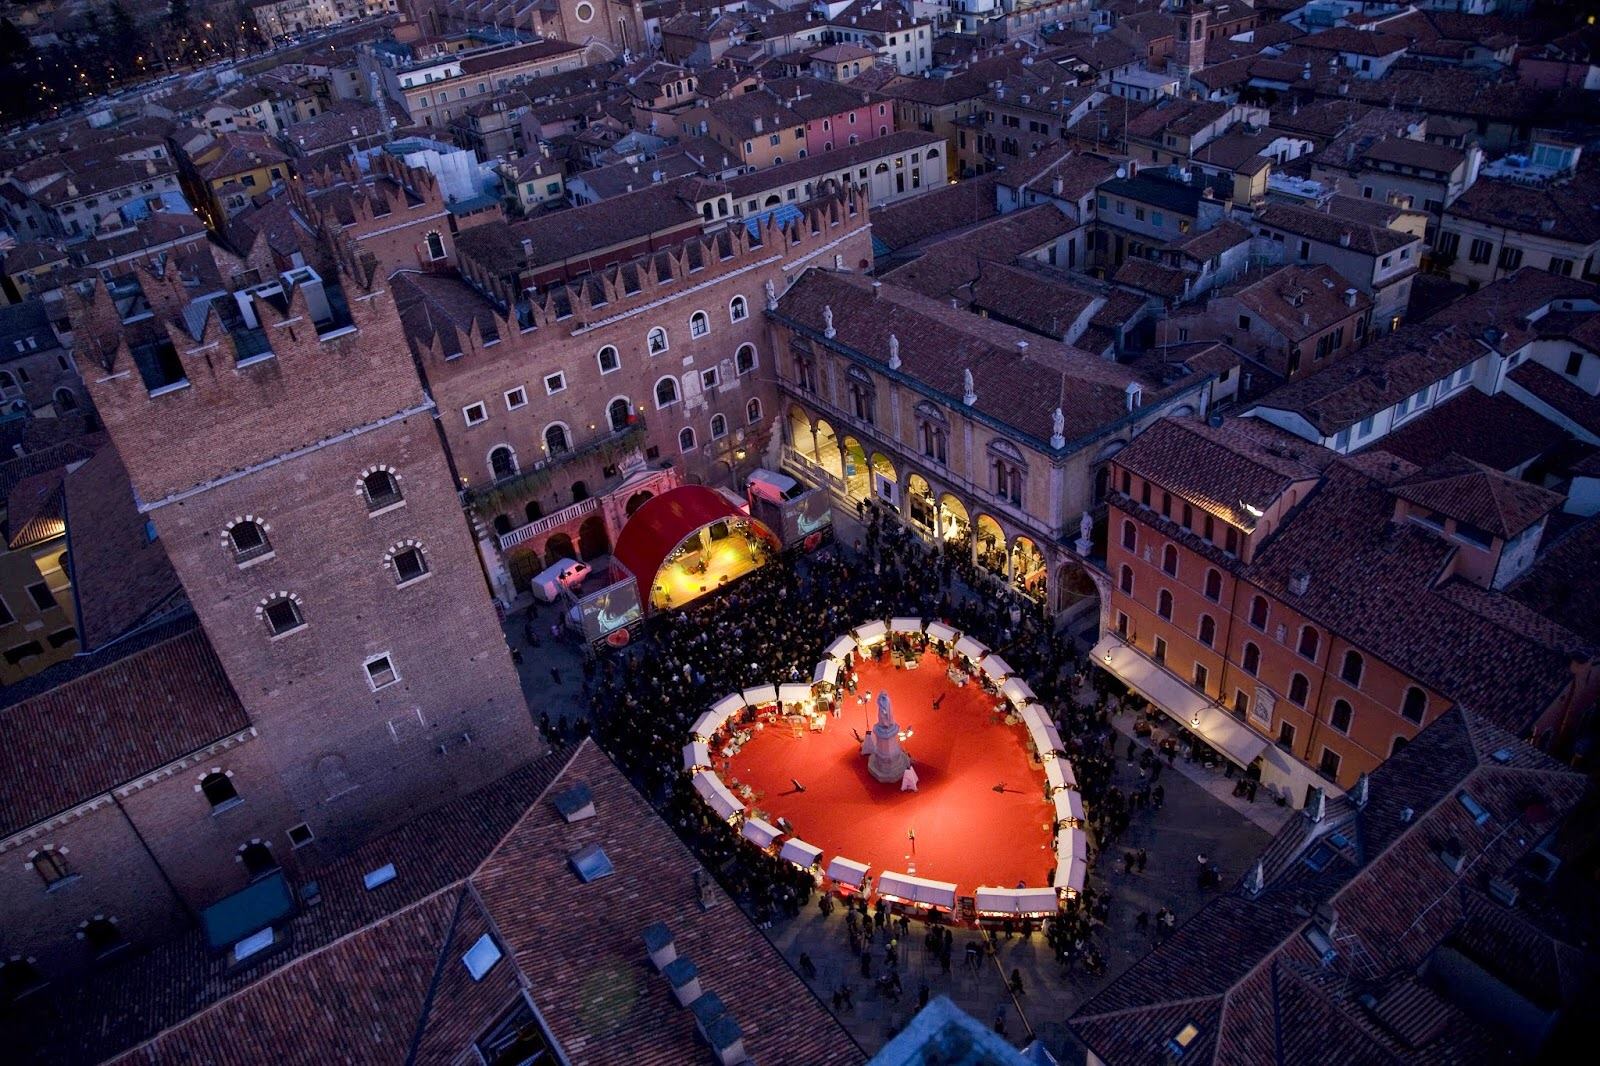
<point x="502" y="462"/>
<point x="1008" y="481"/>
<point x="1399" y="743"/>
<point x="1208" y="630"/>
<point x="217" y="788"/>
<point x="282" y="615"/>
<point x="686" y="439"/>
<point x="609" y="360"/>
<point x="1213" y="588"/>
<point x="51" y="866"/>
<point x="1125" y="581"/>
<point x="503" y="525"/>
<point x="435" y="246"/>
<point x="1352" y="668"/>
<point x="1415" y="705"/>
<point x="6" y="380"/>
<point x="1310" y="641"/>
<point x="738" y="309"/>
<point x="533" y="511"/>
<point x="752" y="412"/>
<point x="101" y="934"/>
<point x="248" y="539"/>
<point x="65" y="400"/>
<point x="1299" y="690"/>
<point x="409" y="564"/>
<point x="1341" y="716"/>
<point x="656" y="340"/>
<point x="719" y="427"/>
<point x="257" y="859"/>
<point x="619" y="413"/>
<point x="556" y="439"/>
<point x="1258" y="613"/>
<point x="1169" y="559"/>
<point x="744" y="360"/>
<point x="381" y="488"/>
<point x="1164" y="604"/>
<point x="1251" y="661"/>
<point x="666" y="392"/>
<point x="1130" y="535"/>
<point x="699" y="324"/>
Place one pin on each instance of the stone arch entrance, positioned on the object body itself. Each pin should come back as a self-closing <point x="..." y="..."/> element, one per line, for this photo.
<point x="593" y="540"/>
<point x="1030" y="571"/>
<point x="955" y="525"/>
<point x="1076" y="591"/>
<point x="920" y="506"/>
<point x="857" y="474"/>
<point x="885" y="481"/>
<point x="637" y="500"/>
<point x="989" y="544"/>
<point x="558" y="547"/>
<point x="827" y="453"/>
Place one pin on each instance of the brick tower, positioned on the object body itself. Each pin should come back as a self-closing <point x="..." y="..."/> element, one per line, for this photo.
<point x="1189" y="50"/>
<point x="281" y="443"/>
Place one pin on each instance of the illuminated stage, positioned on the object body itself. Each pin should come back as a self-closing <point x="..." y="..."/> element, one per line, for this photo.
<point x="968" y="828"/>
<point x="689" y="542"/>
<point x="701" y="565"/>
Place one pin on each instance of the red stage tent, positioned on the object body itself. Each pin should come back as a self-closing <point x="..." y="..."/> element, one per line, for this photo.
<point x="664" y="521"/>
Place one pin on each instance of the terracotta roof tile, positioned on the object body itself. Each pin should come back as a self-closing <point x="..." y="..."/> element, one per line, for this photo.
<point x="1497" y="431"/>
<point x="1477" y="494"/>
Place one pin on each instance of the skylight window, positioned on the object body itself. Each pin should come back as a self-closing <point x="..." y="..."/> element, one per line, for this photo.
<point x="253" y="944"/>
<point x="481" y="957"/>
<point x="381" y="876"/>
<point x="1480" y="814"/>
<point x="1181" y="1041"/>
<point x="590" y="863"/>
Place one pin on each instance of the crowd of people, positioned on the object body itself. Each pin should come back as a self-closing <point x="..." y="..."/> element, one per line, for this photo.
<point x="773" y="625"/>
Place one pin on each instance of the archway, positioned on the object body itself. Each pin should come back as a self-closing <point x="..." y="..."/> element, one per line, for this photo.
<point x="828" y="454"/>
<point x="990" y="542"/>
<point x="636" y="501"/>
<point x="954" y="525"/>
<point x="801" y="439"/>
<point x="1030" y="573"/>
<point x="257" y="859"/>
<point x="1075" y="589"/>
<point x="857" y="475"/>
<point x="593" y="540"/>
<point x="920" y="504"/>
<point x="885" y="480"/>
<point x="558" y="547"/>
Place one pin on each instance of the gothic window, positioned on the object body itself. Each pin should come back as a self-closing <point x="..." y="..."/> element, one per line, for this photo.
<point x="556" y="439"/>
<point x="502" y="462"/>
<point x="744" y="360"/>
<point x="618" y="413"/>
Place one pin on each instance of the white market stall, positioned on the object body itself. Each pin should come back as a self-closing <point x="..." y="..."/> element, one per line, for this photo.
<point x="972" y="649"/>
<point x="1018" y="902"/>
<point x="826" y="673"/>
<point x="761" y="833"/>
<point x="1071" y="872"/>
<point x="728" y="706"/>
<point x="871" y="633"/>
<point x="696" y="755"/>
<point x="941" y="632"/>
<point x="1052" y="738"/>
<point x="905" y="625"/>
<point x="704" y="727"/>
<point x="717" y="795"/>
<point x="1054" y="779"/>
<point x="996" y="668"/>
<point x="841" y="647"/>
<point x="1069" y="805"/>
<point x="1017" y="691"/>
<point x="761" y="695"/>
<point x="802" y="854"/>
<point x="794" y="692"/>
<point x="847" y="871"/>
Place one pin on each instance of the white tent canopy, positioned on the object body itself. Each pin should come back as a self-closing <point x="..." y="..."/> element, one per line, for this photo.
<point x="997" y="668"/>
<point x="760" y="833"/>
<point x="870" y="633"/>
<point x="826" y="673"/>
<point x="1070" y="873"/>
<point x="972" y="649"/>
<point x="794" y="692"/>
<point x="728" y="705"/>
<point x="1053" y="775"/>
<point x="800" y="853"/>
<point x="695" y="754"/>
<point x="1052" y="738"/>
<point x="761" y="695"/>
<point x="940" y="631"/>
<point x="705" y="725"/>
<point x="1069" y="804"/>
<point x="1017" y="691"/>
<point x="1072" y="844"/>
<point x="1016" y="900"/>
<point x="847" y="871"/>
<point x="905" y="625"/>
<point x="841" y="647"/>
<point x="717" y="795"/>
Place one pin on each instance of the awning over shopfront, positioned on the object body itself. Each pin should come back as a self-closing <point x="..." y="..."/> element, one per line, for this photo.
<point x="1235" y="740"/>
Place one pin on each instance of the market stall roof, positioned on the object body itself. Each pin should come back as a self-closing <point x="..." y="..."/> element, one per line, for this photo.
<point x="826" y="673"/>
<point x="997" y="668"/>
<point x="1053" y="775"/>
<point x="664" y="521"/>
<point x="760" y="832"/>
<point x="905" y="625"/>
<point x="728" y="705"/>
<point x="715" y="793"/>
<point x="761" y="695"/>
<point x="940" y="631"/>
<point x="1016" y="900"/>
<point x="1070" y="873"/>
<point x="705" y="725"/>
<point x="871" y="632"/>
<point x="972" y="649"/>
<point x="800" y="853"/>
<point x="794" y="692"/>
<point x="1018" y="692"/>
<point x="695" y="754"/>
<point x="842" y="647"/>
<point x="847" y="871"/>
<point x="1235" y="740"/>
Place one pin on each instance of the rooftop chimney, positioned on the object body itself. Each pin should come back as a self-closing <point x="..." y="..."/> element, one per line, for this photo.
<point x="1344" y="239"/>
<point x="1299" y="582"/>
<point x="1349" y="297"/>
<point x="658" y="942"/>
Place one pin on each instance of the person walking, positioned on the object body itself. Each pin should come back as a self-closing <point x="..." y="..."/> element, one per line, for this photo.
<point x="1128" y="859"/>
<point x="808" y="969"/>
<point x="1143" y="858"/>
<point x="1016" y="982"/>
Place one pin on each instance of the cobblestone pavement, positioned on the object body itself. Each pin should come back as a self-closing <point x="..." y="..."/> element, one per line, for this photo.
<point x="1192" y="822"/>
